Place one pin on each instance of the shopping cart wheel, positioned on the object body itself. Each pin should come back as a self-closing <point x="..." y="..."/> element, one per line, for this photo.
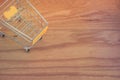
<point x="2" y="34"/>
<point x="27" y="49"/>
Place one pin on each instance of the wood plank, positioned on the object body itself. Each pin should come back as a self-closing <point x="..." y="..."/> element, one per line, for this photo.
<point x="83" y="42"/>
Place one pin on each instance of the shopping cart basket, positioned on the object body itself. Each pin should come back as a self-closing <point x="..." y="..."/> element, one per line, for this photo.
<point x="22" y="19"/>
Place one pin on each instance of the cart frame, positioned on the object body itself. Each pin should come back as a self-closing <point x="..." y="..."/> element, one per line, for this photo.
<point x="13" y="12"/>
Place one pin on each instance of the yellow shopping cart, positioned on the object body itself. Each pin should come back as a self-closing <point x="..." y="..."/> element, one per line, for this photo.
<point x="22" y="19"/>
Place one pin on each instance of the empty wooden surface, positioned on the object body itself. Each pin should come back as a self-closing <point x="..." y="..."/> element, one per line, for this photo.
<point x="82" y="43"/>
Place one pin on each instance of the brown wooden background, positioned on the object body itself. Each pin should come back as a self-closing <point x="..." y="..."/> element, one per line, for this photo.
<point x="82" y="43"/>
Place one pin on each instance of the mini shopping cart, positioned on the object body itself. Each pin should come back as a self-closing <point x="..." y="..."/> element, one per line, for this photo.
<point x="22" y="20"/>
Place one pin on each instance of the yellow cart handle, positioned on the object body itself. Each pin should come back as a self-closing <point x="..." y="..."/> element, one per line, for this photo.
<point x="40" y="35"/>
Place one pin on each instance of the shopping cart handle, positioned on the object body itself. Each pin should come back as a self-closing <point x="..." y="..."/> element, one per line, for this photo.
<point x="40" y="35"/>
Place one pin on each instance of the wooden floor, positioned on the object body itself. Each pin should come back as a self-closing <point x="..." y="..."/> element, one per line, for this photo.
<point x="82" y="43"/>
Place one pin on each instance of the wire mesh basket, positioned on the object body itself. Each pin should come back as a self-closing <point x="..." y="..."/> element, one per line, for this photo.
<point x="21" y="18"/>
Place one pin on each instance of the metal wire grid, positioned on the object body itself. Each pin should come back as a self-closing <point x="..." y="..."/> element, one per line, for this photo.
<point x="27" y="21"/>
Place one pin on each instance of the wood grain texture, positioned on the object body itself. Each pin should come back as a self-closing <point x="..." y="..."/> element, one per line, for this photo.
<point x="82" y="43"/>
